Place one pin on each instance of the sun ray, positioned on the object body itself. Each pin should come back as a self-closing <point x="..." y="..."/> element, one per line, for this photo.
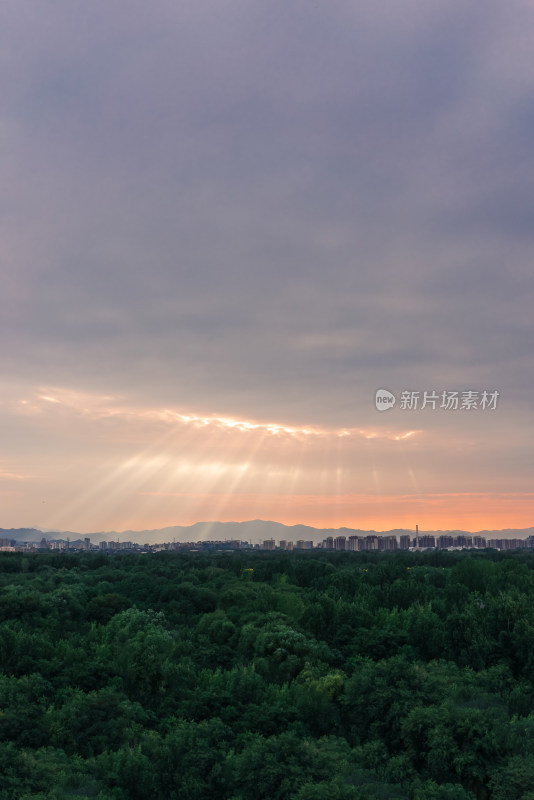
<point x="168" y="452"/>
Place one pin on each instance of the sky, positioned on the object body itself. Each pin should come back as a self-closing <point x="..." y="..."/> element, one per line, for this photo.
<point x="225" y="225"/>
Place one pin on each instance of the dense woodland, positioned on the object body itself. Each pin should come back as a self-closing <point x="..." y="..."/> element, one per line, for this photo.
<point x="298" y="676"/>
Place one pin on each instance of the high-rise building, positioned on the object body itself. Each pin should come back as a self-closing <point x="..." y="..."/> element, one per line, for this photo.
<point x="389" y="542"/>
<point x="340" y="543"/>
<point x="426" y="541"/>
<point x="369" y="542"/>
<point x="445" y="540"/>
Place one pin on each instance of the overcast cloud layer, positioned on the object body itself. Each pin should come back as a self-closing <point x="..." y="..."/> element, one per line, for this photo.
<point x="266" y="211"/>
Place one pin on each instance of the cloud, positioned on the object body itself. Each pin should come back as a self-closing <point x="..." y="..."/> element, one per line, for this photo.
<point x="266" y="211"/>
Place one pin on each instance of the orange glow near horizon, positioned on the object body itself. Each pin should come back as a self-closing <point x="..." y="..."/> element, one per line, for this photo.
<point x="107" y="464"/>
<point x="430" y="512"/>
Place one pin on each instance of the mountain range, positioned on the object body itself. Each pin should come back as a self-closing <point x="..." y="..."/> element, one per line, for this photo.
<point x="253" y="531"/>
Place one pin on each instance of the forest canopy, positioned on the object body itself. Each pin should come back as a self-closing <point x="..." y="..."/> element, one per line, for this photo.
<point x="251" y="675"/>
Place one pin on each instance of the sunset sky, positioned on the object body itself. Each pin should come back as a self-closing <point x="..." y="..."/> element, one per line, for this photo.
<point x="225" y="225"/>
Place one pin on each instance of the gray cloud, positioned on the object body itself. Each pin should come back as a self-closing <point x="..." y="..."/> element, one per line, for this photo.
<point x="269" y="209"/>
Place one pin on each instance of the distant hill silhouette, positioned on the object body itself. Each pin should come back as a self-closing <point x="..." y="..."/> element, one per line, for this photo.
<point x="252" y="531"/>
